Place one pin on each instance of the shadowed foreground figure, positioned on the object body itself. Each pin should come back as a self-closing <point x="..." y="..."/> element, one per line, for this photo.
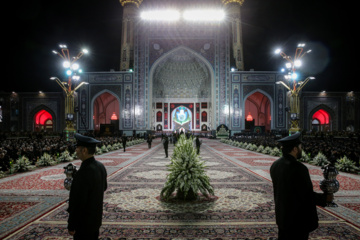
<point x="295" y="199"/>
<point x="87" y="192"/>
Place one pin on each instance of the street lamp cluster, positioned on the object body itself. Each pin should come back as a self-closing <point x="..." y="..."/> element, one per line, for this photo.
<point x="293" y="85"/>
<point x="72" y="69"/>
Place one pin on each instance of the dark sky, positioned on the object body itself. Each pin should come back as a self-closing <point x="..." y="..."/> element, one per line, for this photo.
<point x="37" y="27"/>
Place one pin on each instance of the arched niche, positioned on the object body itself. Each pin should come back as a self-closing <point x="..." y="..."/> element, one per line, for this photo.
<point x="43" y="121"/>
<point x="105" y="110"/>
<point x="258" y="110"/>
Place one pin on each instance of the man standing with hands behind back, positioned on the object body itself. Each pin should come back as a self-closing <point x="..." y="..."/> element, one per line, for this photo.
<point x="295" y="199"/>
<point x="87" y="192"/>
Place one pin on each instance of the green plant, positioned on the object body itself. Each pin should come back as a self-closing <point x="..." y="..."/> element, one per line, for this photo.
<point x="276" y="152"/>
<point x="320" y="160"/>
<point x="260" y="149"/>
<point x="305" y="157"/>
<point x="98" y="151"/>
<point x="346" y="165"/>
<point x="115" y="146"/>
<point x="104" y="149"/>
<point x="267" y="150"/>
<point x="251" y="147"/>
<point x="46" y="160"/>
<point x="2" y="174"/>
<point x="187" y="173"/>
<point x="22" y="164"/>
<point x="65" y="157"/>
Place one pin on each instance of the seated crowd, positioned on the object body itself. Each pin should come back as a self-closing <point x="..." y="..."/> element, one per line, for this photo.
<point x="331" y="145"/>
<point x="34" y="145"/>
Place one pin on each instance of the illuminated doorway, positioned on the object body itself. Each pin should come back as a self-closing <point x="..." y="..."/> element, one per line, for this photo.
<point x="106" y="111"/>
<point x="181" y="119"/>
<point x="320" y="121"/>
<point x="258" y="113"/>
<point x="43" y="121"/>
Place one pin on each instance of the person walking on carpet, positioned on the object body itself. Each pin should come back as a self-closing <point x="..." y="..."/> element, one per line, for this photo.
<point x="124" y="140"/>
<point x="86" y="192"/>
<point x="166" y="145"/>
<point x="149" y="140"/>
<point x="197" y="144"/>
<point x="295" y="199"/>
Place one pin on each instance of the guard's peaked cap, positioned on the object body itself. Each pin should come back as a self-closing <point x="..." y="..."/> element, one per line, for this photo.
<point x="292" y="140"/>
<point x="85" y="141"/>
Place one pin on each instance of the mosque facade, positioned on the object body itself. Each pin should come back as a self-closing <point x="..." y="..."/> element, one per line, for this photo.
<point x="186" y="76"/>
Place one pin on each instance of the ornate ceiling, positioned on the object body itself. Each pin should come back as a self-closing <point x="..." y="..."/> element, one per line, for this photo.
<point x="181" y="75"/>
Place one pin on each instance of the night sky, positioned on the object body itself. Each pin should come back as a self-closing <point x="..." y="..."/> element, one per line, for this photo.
<point x="37" y="27"/>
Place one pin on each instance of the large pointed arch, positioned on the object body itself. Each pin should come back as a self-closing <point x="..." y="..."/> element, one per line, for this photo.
<point x="330" y="111"/>
<point x="31" y="117"/>
<point x="93" y="102"/>
<point x="164" y="58"/>
<point x="272" y="112"/>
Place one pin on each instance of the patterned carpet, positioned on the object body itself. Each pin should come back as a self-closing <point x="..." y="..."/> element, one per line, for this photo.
<point x="33" y="204"/>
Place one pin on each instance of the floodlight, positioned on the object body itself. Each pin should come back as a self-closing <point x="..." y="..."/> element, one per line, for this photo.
<point x="277" y="51"/>
<point x="204" y="15"/>
<point x="297" y="63"/>
<point x="161" y="15"/>
<point x="66" y="64"/>
<point x="75" y="66"/>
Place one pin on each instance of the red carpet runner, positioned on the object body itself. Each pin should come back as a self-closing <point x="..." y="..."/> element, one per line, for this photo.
<point x="33" y="204"/>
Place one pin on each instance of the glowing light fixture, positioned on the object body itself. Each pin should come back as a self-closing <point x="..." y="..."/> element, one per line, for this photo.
<point x="161" y="15"/>
<point x="114" y="117"/>
<point x="249" y="117"/>
<point x="204" y="15"/>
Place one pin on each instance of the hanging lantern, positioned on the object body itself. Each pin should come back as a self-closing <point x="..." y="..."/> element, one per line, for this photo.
<point x="114" y="117"/>
<point x="249" y="117"/>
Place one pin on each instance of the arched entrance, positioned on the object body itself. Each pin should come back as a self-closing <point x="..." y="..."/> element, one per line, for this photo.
<point x="320" y="121"/>
<point x="258" y="113"/>
<point x="106" y="112"/>
<point x="43" y="121"/>
<point x="182" y="77"/>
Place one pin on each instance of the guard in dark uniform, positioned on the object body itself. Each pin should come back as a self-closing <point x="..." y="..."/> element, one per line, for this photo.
<point x="166" y="145"/>
<point x="87" y="192"/>
<point x="149" y="140"/>
<point x="197" y="143"/>
<point x="295" y="199"/>
<point x="124" y="140"/>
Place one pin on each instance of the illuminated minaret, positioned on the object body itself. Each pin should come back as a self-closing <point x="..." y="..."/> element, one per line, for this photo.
<point x="233" y="12"/>
<point x="127" y="38"/>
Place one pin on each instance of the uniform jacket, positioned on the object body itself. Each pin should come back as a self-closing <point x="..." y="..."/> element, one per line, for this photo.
<point x="166" y="143"/>
<point x="295" y="200"/>
<point x="86" y="196"/>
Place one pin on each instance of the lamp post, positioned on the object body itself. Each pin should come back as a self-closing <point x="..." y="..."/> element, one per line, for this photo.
<point x="293" y="85"/>
<point x="72" y="71"/>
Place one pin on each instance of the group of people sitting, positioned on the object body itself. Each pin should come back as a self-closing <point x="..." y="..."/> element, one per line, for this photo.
<point x="331" y="145"/>
<point x="35" y="145"/>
